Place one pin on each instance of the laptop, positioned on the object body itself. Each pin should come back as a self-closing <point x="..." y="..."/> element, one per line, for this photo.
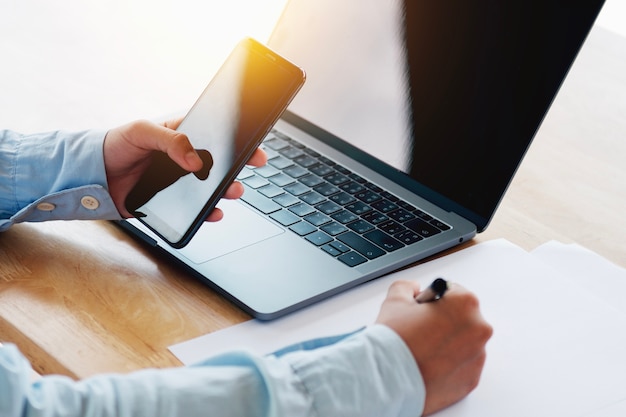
<point x="413" y="121"/>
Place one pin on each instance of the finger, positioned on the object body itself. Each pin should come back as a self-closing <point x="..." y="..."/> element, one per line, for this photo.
<point x="176" y="144"/>
<point x="179" y="149"/>
<point x="258" y="158"/>
<point x="403" y="289"/>
<point x="234" y="191"/>
<point x="215" y="216"/>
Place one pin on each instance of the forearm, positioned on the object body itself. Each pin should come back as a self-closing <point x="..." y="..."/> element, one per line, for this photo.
<point x="368" y="374"/>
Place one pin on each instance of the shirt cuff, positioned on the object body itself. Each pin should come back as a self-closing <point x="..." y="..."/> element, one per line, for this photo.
<point x="89" y="202"/>
<point x="67" y="169"/>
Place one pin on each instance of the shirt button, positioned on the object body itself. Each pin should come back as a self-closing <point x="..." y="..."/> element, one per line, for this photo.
<point x="89" y="202"/>
<point x="46" y="206"/>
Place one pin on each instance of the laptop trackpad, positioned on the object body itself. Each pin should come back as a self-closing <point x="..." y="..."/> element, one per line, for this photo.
<point x="239" y="228"/>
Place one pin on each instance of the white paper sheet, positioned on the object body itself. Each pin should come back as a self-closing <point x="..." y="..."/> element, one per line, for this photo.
<point x="556" y="350"/>
<point x="587" y="269"/>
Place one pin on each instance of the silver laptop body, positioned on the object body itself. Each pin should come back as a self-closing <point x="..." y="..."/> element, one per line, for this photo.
<point x="399" y="100"/>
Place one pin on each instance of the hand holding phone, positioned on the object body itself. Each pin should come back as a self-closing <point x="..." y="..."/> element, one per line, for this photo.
<point x="226" y="124"/>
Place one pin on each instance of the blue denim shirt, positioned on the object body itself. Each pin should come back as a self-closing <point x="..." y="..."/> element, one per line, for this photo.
<point x="370" y="372"/>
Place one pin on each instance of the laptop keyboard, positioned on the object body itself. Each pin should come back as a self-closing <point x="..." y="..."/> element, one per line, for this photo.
<point x="333" y="208"/>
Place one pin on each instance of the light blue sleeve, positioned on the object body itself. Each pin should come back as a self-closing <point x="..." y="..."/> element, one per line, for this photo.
<point x="53" y="176"/>
<point x="369" y="373"/>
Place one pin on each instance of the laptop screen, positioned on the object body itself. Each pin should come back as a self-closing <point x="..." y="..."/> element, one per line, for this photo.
<point x="450" y="94"/>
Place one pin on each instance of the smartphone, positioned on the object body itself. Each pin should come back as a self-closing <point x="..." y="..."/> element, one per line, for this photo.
<point x="227" y="123"/>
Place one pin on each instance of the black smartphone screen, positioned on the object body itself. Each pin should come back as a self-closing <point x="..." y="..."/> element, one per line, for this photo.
<point x="237" y="109"/>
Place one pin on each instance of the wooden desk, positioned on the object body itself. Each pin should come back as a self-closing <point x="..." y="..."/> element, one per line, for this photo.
<point x="80" y="298"/>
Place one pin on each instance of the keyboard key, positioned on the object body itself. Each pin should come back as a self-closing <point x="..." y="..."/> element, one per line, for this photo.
<point x="375" y="217"/>
<point x="327" y="161"/>
<point x="281" y="135"/>
<point x="342" y="198"/>
<point x="260" y="202"/>
<point x="422" y="215"/>
<point x="408" y="237"/>
<point x="322" y="170"/>
<point x="358" y="208"/>
<point x="276" y="144"/>
<point x="302" y="209"/>
<point x="424" y="229"/>
<point x="302" y="228"/>
<point x="352" y="187"/>
<point x="406" y="206"/>
<point x="255" y="182"/>
<point x="318" y="238"/>
<point x="312" y="198"/>
<point x="271" y="154"/>
<point x="334" y="228"/>
<point x="285" y="218"/>
<point x="364" y="247"/>
<point x="266" y="171"/>
<point x="368" y="196"/>
<point x="326" y="189"/>
<point x="297" y="189"/>
<point x="352" y="259"/>
<point x="280" y="162"/>
<point x="343" y="170"/>
<point x="383" y="240"/>
<point x="344" y="217"/>
<point x="295" y="144"/>
<point x="439" y="225"/>
<point x="291" y="153"/>
<point x="389" y="196"/>
<point x="296" y="171"/>
<point x="286" y="200"/>
<point x="373" y="187"/>
<point x="317" y="219"/>
<point x="384" y="206"/>
<point x="270" y="191"/>
<point x="245" y="173"/>
<point x="360" y="226"/>
<point x="281" y="179"/>
<point x="311" y="152"/>
<point x="336" y="179"/>
<point x="357" y="178"/>
<point x="340" y="246"/>
<point x="392" y="227"/>
<point x="329" y="208"/>
<point x="329" y="249"/>
<point x="311" y="180"/>
<point x="401" y="215"/>
<point x="306" y="161"/>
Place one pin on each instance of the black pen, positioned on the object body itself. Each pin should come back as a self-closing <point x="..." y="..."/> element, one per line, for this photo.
<point x="435" y="291"/>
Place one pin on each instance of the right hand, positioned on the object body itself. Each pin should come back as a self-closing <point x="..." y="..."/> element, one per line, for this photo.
<point x="447" y="339"/>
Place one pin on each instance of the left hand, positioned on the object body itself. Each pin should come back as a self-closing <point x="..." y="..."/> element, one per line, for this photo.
<point x="128" y="151"/>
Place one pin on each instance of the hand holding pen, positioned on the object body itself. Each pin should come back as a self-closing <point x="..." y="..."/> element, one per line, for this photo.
<point x="447" y="339"/>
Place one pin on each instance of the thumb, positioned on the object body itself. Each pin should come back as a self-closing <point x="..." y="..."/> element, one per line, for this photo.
<point x="175" y="144"/>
